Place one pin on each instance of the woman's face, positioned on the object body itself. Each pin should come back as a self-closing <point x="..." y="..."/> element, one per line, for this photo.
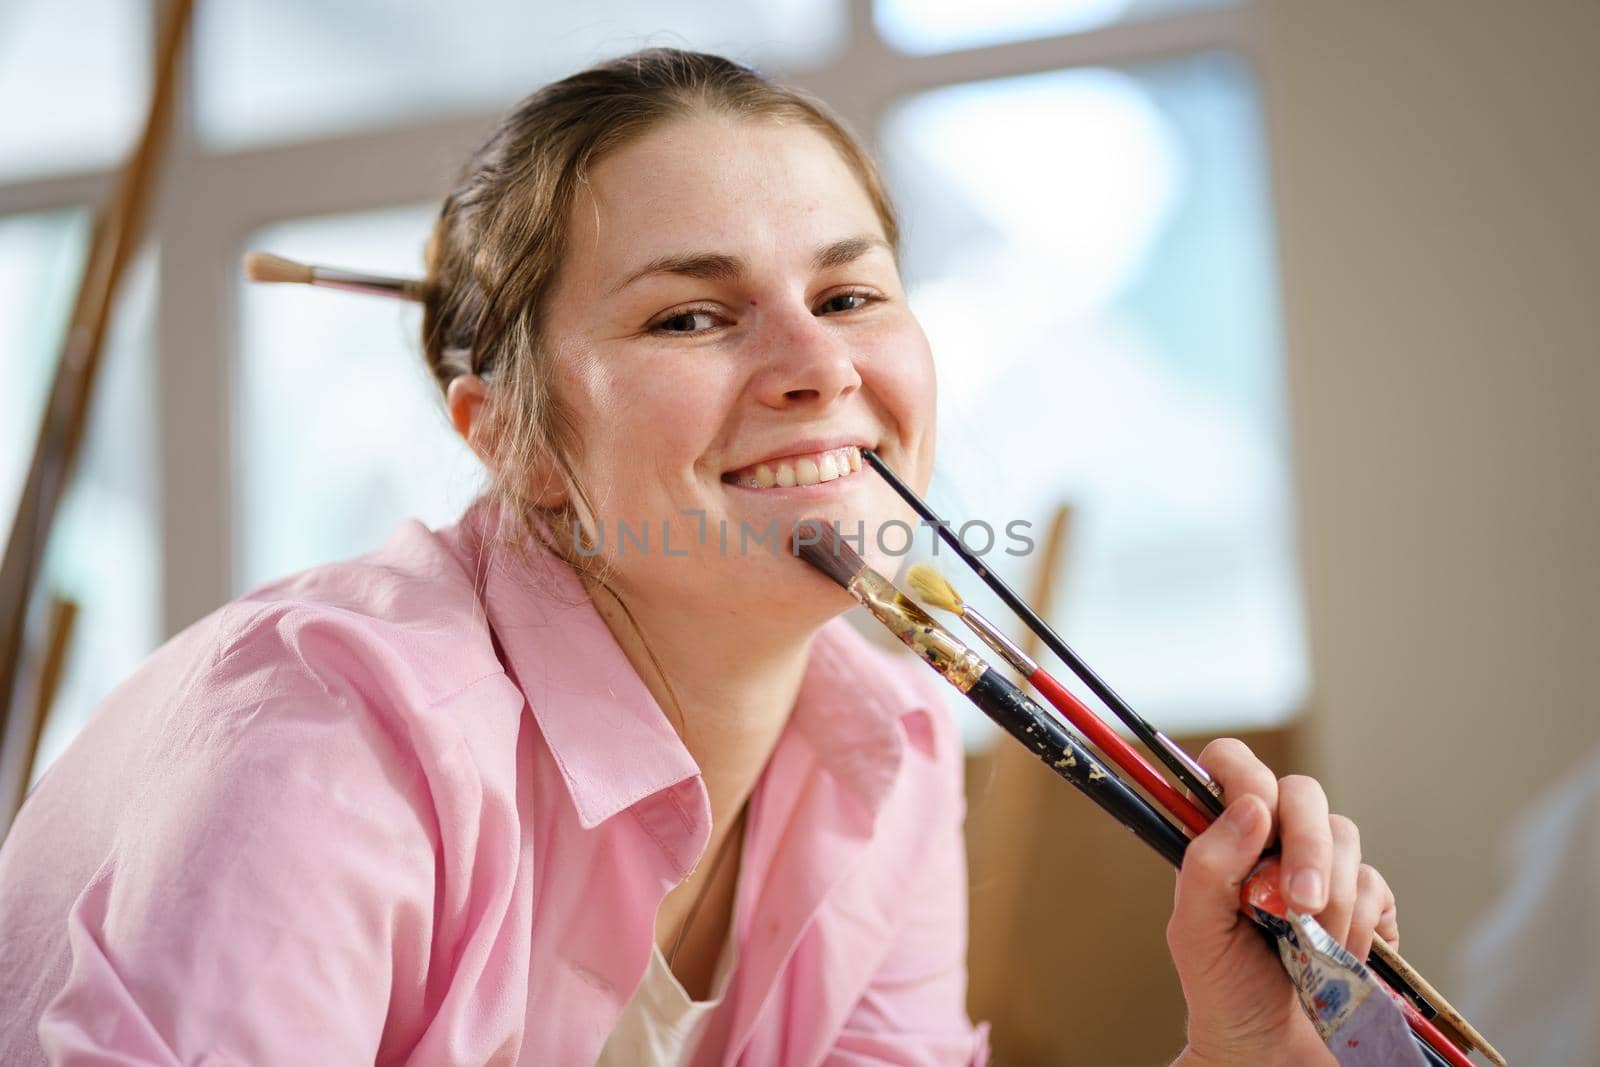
<point x="728" y="328"/>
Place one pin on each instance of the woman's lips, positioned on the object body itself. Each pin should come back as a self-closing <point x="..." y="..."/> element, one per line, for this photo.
<point x="811" y="468"/>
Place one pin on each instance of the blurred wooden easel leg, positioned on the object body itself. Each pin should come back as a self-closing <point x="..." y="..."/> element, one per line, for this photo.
<point x="1004" y="794"/>
<point x="63" y="616"/>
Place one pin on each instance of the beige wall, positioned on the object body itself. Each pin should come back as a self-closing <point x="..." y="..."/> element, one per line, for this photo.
<point x="1437" y="169"/>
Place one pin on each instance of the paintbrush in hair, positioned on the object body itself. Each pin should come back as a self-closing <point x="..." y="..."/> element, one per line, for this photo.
<point x="266" y="267"/>
<point x="926" y="581"/>
<point x="1195" y="777"/>
<point x="819" y="544"/>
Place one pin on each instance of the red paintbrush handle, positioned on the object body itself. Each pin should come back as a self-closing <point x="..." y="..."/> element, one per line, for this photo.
<point x="1426" y="1030"/>
<point x="1120" y="752"/>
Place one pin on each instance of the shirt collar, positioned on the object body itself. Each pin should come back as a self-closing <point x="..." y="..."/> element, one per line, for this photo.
<point x="604" y="728"/>
<point x="858" y="705"/>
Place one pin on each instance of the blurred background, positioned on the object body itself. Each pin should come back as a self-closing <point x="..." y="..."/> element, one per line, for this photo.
<point x="1285" y="311"/>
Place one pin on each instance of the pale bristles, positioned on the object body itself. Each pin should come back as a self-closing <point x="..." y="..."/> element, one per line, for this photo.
<point x="933" y="587"/>
<point x="266" y="267"/>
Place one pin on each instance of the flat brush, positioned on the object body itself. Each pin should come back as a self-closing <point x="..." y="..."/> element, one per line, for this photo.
<point x="266" y="267"/>
<point x="818" y="543"/>
<point x="1190" y="773"/>
<point x="926" y="581"/>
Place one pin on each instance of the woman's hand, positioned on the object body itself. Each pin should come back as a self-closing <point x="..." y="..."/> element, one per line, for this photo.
<point x="1242" y="1008"/>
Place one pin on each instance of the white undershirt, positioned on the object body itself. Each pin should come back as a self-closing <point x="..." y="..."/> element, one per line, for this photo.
<point x="660" y="1024"/>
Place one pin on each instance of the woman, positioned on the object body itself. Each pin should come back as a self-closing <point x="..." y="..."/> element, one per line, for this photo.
<point x="595" y="774"/>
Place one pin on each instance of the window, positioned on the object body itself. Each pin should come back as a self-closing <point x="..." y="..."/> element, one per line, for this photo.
<point x="41" y="256"/>
<point x="1090" y="253"/>
<point x="272" y="71"/>
<point x="325" y="375"/>
<point x="104" y="553"/>
<point x="925" y="26"/>
<point x="73" y="78"/>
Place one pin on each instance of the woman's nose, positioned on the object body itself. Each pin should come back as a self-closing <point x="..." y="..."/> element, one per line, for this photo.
<point x="804" y="363"/>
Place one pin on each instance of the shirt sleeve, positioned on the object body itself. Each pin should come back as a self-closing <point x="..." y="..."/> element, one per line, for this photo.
<point x="272" y="873"/>
<point x="913" y="1012"/>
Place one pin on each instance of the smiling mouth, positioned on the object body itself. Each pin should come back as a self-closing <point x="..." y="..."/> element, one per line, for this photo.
<point x="812" y="468"/>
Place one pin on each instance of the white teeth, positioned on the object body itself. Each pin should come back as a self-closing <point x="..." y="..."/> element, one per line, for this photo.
<point x="808" y="470"/>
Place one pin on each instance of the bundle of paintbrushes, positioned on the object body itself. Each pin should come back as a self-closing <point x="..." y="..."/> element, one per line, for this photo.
<point x="1342" y="996"/>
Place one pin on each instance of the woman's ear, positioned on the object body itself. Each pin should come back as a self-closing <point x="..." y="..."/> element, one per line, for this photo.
<point x="467" y="399"/>
<point x="470" y="405"/>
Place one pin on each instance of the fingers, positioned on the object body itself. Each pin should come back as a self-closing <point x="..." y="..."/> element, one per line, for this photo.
<point x="1389" y="920"/>
<point x="1322" y="872"/>
<point x="1343" y="878"/>
<point x="1206" y="907"/>
<point x="1373" y="911"/>
<point x="1238" y="771"/>
<point x="1307" y="839"/>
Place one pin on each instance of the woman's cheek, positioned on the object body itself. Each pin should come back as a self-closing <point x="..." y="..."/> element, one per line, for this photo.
<point x="908" y="389"/>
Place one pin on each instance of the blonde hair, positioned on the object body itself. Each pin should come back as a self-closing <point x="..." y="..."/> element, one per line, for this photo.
<point x="498" y="244"/>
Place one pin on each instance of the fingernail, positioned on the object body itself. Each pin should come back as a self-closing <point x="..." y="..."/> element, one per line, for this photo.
<point x="1306" y="889"/>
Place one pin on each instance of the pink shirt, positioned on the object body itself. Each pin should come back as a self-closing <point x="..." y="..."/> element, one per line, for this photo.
<point x="411" y="809"/>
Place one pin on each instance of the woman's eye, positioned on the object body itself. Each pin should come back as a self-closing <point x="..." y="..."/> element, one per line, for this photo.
<point x="842" y="302"/>
<point x="685" y="322"/>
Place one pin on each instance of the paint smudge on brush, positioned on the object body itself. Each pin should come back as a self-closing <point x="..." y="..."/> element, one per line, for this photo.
<point x="918" y="630"/>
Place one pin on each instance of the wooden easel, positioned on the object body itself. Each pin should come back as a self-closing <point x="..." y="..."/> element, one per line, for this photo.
<point x="118" y="230"/>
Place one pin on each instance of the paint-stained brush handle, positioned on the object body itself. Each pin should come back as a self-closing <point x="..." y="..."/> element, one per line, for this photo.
<point x="1066" y="755"/>
<point x="1124" y="754"/>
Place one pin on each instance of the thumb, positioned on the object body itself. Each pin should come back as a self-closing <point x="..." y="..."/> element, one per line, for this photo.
<point x="1206" y="908"/>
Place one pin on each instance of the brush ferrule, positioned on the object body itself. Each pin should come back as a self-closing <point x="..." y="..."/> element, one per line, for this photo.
<point x="1003" y="646"/>
<point x="374" y="284"/>
<point x="1202" y="775"/>
<point x="918" y="630"/>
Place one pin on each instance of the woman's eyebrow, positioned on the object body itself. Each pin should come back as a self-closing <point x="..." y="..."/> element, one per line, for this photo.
<point x="709" y="266"/>
<point x="722" y="267"/>
<point x="847" y="251"/>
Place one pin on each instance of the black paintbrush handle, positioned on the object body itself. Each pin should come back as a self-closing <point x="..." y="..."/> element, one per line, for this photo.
<point x="1069" y="757"/>
<point x="1134" y="721"/>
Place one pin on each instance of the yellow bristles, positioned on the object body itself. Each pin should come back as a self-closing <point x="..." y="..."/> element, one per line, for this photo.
<point x="926" y="581"/>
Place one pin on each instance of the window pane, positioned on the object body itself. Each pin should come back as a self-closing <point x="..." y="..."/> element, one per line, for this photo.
<point x="923" y="26"/>
<point x="1090" y="252"/>
<point x="73" y="83"/>
<point x="41" y="257"/>
<point x="104" y="548"/>
<point x="293" y="68"/>
<point x="340" y="432"/>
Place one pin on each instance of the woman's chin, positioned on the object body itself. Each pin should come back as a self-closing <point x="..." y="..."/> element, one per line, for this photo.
<point x="794" y="594"/>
